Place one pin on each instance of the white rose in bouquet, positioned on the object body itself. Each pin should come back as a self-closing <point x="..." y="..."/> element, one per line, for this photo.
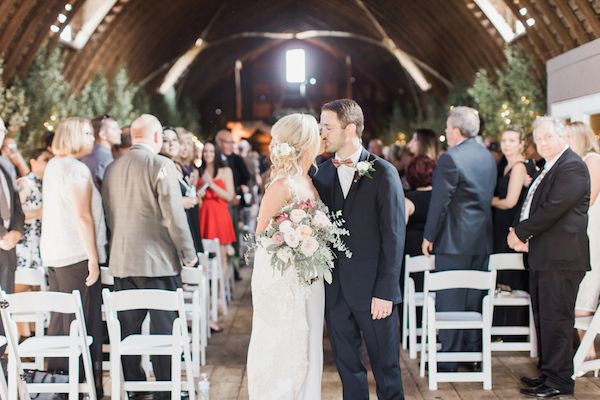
<point x="284" y="254"/>
<point x="297" y="215"/>
<point x="304" y="231"/>
<point x="286" y="226"/>
<point x="320" y="220"/>
<point x="309" y="246"/>
<point x="291" y="238"/>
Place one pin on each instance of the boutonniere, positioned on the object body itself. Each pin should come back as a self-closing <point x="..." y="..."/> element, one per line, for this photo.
<point x="365" y="168"/>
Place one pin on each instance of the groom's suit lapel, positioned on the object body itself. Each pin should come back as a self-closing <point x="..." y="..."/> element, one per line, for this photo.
<point x="349" y="202"/>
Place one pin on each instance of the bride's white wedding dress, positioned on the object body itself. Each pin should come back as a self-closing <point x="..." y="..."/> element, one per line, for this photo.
<point x="285" y="356"/>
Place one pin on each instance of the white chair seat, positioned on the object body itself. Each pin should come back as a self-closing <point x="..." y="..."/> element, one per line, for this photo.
<point x="48" y="346"/>
<point x="515" y="298"/>
<point x="419" y="298"/>
<point x="459" y="320"/>
<point x="147" y="344"/>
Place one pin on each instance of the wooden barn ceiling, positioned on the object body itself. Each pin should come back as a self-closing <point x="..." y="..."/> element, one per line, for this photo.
<point x="449" y="39"/>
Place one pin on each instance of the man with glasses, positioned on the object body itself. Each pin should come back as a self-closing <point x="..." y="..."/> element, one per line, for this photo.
<point x="107" y="134"/>
<point x="12" y="221"/>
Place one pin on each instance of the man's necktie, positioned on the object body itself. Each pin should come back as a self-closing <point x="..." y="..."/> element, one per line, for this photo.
<point x="530" y="194"/>
<point x="347" y="162"/>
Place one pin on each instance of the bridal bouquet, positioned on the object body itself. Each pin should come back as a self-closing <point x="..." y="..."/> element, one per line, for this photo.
<point x="302" y="236"/>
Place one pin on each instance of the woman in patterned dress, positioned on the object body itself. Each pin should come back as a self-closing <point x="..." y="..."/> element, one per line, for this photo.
<point x="30" y="193"/>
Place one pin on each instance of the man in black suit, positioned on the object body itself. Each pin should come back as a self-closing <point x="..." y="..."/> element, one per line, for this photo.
<point x="553" y="228"/>
<point x="12" y="221"/>
<point x="459" y="221"/>
<point x="361" y="301"/>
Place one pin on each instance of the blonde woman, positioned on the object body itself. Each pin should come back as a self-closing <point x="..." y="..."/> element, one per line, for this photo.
<point x="73" y="235"/>
<point x="285" y="357"/>
<point x="584" y="142"/>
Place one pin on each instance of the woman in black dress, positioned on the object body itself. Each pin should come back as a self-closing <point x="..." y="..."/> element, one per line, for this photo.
<point x="419" y="174"/>
<point x="170" y="149"/>
<point x="510" y="192"/>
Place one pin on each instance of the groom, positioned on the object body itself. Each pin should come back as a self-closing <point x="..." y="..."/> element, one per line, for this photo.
<point x="361" y="301"/>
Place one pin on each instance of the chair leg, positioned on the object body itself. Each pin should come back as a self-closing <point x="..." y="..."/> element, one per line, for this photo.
<point x="432" y="355"/>
<point x="3" y="385"/>
<point x="176" y="374"/>
<point x="196" y="341"/>
<point x="13" y="377"/>
<point x="404" y="322"/>
<point x="412" y="331"/>
<point x="486" y="364"/>
<point x="74" y="374"/>
<point x="532" y="334"/>
<point x="115" y="374"/>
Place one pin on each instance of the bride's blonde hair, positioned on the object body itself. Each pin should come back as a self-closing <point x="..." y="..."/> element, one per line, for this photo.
<point x="293" y="136"/>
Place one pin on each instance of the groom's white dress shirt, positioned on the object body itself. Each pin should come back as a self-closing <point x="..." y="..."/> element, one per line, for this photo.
<point x="346" y="173"/>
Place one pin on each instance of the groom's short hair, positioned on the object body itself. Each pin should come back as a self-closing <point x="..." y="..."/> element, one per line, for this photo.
<point x="348" y="112"/>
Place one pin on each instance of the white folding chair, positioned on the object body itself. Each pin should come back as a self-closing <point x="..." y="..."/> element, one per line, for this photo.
<point x="107" y="280"/>
<point x="3" y="385"/>
<point x="203" y="260"/>
<point x="216" y="270"/>
<point x="412" y="300"/>
<point x="195" y="297"/>
<point x="591" y="325"/>
<point x="516" y="298"/>
<point x="73" y="346"/>
<point x="33" y="277"/>
<point x="176" y="344"/>
<point x="434" y="321"/>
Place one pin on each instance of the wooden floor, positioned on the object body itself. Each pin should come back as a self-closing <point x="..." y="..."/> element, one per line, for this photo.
<point x="226" y="364"/>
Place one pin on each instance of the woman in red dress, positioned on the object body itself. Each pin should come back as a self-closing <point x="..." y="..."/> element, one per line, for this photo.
<point x="217" y="191"/>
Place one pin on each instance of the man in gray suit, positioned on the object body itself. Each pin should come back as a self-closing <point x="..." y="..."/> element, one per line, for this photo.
<point x="12" y="220"/>
<point x="459" y="221"/>
<point x="151" y="238"/>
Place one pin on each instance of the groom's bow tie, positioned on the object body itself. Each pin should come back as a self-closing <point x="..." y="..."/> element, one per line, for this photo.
<point x="347" y="162"/>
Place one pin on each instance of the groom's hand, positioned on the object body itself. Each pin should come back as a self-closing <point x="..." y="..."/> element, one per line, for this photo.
<point x="426" y="247"/>
<point x="380" y="308"/>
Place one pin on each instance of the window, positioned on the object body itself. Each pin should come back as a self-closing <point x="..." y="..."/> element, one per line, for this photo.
<point x="505" y="22"/>
<point x="295" y="66"/>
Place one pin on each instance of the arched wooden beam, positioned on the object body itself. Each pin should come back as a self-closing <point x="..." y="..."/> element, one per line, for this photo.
<point x="572" y="22"/>
<point x="590" y="16"/>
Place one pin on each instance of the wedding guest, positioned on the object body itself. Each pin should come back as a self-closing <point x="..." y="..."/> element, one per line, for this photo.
<point x="376" y="147"/>
<point x="12" y="220"/>
<point x="106" y="135"/>
<point x="419" y="175"/>
<point x="584" y="142"/>
<point x="424" y="142"/>
<point x="216" y="188"/>
<point x="151" y="238"/>
<point x="170" y="149"/>
<point x="74" y="234"/>
<point x="187" y="154"/>
<point x="10" y="151"/>
<point x="30" y="194"/>
<point x="47" y="139"/>
<point x="125" y="145"/>
<point x="535" y="162"/>
<point x="459" y="221"/>
<point x="552" y="228"/>
<point x="509" y="195"/>
<point x="510" y="187"/>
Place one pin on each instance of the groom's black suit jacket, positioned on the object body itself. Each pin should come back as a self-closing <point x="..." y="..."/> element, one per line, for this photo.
<point x="374" y="215"/>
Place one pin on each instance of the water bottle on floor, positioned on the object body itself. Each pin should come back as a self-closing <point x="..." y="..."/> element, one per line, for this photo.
<point x="204" y="387"/>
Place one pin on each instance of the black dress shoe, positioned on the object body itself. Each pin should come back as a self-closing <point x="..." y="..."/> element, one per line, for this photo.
<point x="533" y="382"/>
<point x="544" y="392"/>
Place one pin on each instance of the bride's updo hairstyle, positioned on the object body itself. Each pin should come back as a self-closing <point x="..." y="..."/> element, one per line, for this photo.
<point x="294" y="137"/>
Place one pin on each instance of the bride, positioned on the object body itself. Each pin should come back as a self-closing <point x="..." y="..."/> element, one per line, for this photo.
<point x="285" y="356"/>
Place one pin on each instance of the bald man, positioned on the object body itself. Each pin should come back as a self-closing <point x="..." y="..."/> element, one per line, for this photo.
<point x="151" y="237"/>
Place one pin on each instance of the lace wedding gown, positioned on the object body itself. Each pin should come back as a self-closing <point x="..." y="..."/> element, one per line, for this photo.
<point x="285" y="356"/>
